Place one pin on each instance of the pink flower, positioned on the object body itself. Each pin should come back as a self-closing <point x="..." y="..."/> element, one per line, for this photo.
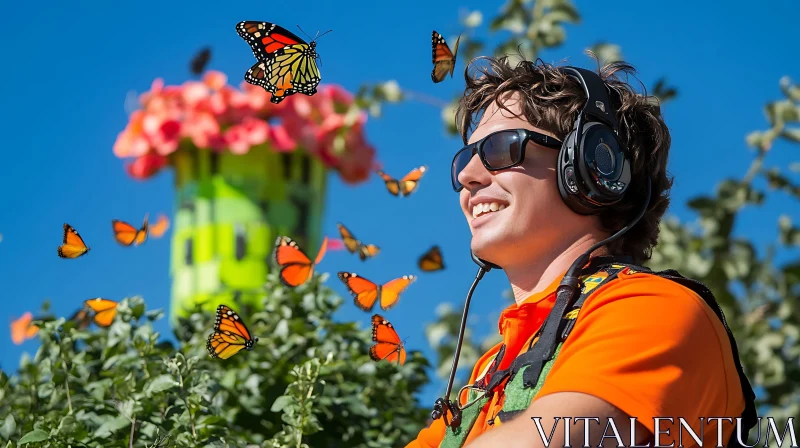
<point x="338" y="94"/>
<point x="202" y="128"/>
<point x="236" y="139"/>
<point x="257" y="130"/>
<point x="215" y="80"/>
<point x="280" y="139"/>
<point x="216" y="116"/>
<point x="146" y="165"/>
<point x="193" y="92"/>
<point x="167" y="139"/>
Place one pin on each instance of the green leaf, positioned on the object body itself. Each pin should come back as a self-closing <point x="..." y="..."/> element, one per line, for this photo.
<point x="606" y="52"/>
<point x="281" y="403"/>
<point x="792" y="134"/>
<point x="37" y="435"/>
<point x="160" y="384"/>
<point x="9" y="427"/>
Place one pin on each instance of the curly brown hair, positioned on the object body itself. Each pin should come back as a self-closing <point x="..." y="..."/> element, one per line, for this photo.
<point x="552" y="101"/>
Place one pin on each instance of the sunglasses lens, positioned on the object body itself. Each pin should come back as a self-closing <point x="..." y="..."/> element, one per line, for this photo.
<point x="502" y="150"/>
<point x="459" y="163"/>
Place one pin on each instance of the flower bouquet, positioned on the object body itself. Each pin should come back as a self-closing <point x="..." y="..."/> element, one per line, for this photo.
<point x="246" y="170"/>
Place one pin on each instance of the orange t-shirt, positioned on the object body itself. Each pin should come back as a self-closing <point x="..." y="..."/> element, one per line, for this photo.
<point x="644" y="344"/>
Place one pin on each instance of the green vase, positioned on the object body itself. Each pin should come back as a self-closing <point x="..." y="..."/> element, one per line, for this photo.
<point x="229" y="211"/>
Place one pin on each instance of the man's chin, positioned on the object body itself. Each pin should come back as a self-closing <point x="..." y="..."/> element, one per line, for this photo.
<point x="487" y="250"/>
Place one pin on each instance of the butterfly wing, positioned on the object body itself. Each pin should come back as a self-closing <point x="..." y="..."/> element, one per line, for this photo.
<point x="286" y="63"/>
<point x="198" y="64"/>
<point x="409" y="183"/>
<point x="228" y="320"/>
<point x="431" y="260"/>
<point x="124" y="233"/>
<point x="444" y="60"/>
<point x="105" y="310"/>
<point x="387" y="343"/>
<point x="296" y="267"/>
<point x="364" y="291"/>
<point x="350" y="241"/>
<point x="390" y="291"/>
<point x="367" y="251"/>
<point x="141" y="235"/>
<point x="224" y="344"/>
<point x="322" y="249"/>
<point x="161" y="226"/>
<point x="230" y="334"/>
<point x="391" y="183"/>
<point x="22" y="329"/>
<point x="73" y="245"/>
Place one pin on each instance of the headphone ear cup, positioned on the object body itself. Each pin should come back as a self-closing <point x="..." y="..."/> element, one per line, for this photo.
<point x="567" y="184"/>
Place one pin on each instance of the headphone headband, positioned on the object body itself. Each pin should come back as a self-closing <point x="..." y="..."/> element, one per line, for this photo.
<point x="598" y="103"/>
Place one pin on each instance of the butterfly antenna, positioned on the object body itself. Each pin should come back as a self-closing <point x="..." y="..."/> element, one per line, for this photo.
<point x="301" y="30"/>
<point x="320" y="35"/>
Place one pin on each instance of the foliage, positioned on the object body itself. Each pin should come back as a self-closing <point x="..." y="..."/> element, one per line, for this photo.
<point x="760" y="298"/>
<point x="125" y="386"/>
<point x="524" y="27"/>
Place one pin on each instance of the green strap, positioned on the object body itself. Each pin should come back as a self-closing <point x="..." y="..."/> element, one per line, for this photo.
<point x="455" y="437"/>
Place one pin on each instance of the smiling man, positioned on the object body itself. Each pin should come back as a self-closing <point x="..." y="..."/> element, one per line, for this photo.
<point x="559" y="161"/>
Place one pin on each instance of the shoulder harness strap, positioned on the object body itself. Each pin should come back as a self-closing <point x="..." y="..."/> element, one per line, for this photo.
<point x="535" y="363"/>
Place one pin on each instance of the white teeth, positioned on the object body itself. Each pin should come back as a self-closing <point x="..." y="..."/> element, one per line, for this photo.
<point x="486" y="207"/>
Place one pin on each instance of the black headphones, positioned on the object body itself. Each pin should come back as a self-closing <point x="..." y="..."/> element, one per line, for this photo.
<point x="593" y="168"/>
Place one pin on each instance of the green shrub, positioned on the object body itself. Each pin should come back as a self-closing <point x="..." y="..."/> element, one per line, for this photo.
<point x="308" y="382"/>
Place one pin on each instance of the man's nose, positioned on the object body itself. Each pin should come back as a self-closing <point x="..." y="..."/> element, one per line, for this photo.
<point x="474" y="174"/>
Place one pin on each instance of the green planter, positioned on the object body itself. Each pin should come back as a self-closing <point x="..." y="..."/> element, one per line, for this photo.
<point x="229" y="211"/>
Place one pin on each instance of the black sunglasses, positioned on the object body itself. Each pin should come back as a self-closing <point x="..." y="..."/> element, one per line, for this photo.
<point x="499" y="151"/>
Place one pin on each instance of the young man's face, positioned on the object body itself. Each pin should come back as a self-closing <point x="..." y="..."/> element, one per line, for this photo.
<point x="531" y="215"/>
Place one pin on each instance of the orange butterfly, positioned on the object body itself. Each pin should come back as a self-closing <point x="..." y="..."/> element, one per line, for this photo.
<point x="407" y="184"/>
<point x="128" y="235"/>
<point x="104" y="311"/>
<point x="161" y="226"/>
<point x="354" y="245"/>
<point x="230" y="335"/>
<point x="366" y="293"/>
<point x="431" y="260"/>
<point x="296" y="267"/>
<point x="444" y="60"/>
<point x="22" y="329"/>
<point x="81" y="318"/>
<point x="388" y="345"/>
<point x="73" y="246"/>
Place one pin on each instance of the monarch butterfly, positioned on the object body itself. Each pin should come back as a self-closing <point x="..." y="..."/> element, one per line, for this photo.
<point x="73" y="245"/>
<point x="388" y="345"/>
<point x="431" y="260"/>
<point x="296" y="267"/>
<point x="407" y="184"/>
<point x="104" y="310"/>
<point x="366" y="293"/>
<point x="286" y="63"/>
<point x="81" y="318"/>
<point x="128" y="235"/>
<point x="198" y="63"/>
<point x="354" y="245"/>
<point x="22" y="329"/>
<point x="161" y="226"/>
<point x="444" y="60"/>
<point x="230" y="335"/>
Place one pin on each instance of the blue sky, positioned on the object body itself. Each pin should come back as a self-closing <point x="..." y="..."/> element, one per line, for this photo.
<point x="68" y="68"/>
